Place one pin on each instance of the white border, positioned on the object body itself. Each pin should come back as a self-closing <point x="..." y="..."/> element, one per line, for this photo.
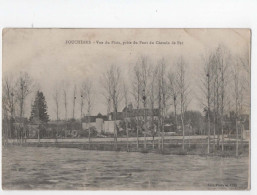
<point x="140" y="14"/>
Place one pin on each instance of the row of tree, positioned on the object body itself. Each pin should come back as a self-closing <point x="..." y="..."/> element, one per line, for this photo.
<point x="15" y="94"/>
<point x="162" y="85"/>
<point x="225" y="81"/>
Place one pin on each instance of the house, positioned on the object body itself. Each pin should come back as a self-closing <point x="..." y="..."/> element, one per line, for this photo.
<point x="107" y="123"/>
<point x="129" y="112"/>
<point x="94" y="121"/>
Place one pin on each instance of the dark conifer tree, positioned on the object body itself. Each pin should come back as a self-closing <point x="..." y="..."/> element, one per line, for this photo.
<point x="39" y="109"/>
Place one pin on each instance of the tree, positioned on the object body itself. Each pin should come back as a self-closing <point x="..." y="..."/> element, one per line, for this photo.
<point x="39" y="109"/>
<point x="141" y="90"/>
<point x="81" y="105"/>
<point x="162" y="98"/>
<point x="125" y="95"/>
<point x="215" y="96"/>
<point x="173" y="93"/>
<point x="223" y="58"/>
<point x="238" y="97"/>
<point x="88" y="93"/>
<point x="136" y="91"/>
<point x="65" y="104"/>
<point x="144" y="73"/>
<point x="24" y="88"/>
<point x="64" y="92"/>
<point x="152" y="97"/>
<point x="56" y="97"/>
<point x="111" y="81"/>
<point x="8" y="107"/>
<point x="215" y="89"/>
<point x="183" y="92"/>
<point x="74" y="101"/>
<point x="207" y="89"/>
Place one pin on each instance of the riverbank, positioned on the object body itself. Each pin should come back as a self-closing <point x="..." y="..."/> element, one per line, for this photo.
<point x="170" y="147"/>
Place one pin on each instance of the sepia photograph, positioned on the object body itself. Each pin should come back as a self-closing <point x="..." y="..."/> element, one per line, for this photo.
<point x="126" y="109"/>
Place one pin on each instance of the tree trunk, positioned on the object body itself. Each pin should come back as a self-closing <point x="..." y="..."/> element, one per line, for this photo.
<point x="89" y="130"/>
<point x="222" y="132"/>
<point x="127" y="135"/>
<point x="115" y="131"/>
<point x="153" y="142"/>
<point x="236" y="138"/>
<point x="38" y="135"/>
<point x="144" y="124"/>
<point x="137" y="135"/>
<point x="209" y="131"/>
<point x="242" y="132"/>
<point x="89" y="134"/>
<point x="176" y="118"/>
<point x="189" y="144"/>
<point x="214" y="135"/>
<point x="183" y="131"/>
<point x="144" y="140"/>
<point x="159" y="124"/>
<point x="162" y="136"/>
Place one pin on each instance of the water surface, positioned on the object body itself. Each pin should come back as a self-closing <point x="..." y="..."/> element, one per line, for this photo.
<point x="74" y="169"/>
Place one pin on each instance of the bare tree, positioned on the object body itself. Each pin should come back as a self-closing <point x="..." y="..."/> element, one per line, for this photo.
<point x="74" y="101"/>
<point x="207" y="90"/>
<point x="136" y="91"/>
<point x="24" y="87"/>
<point x="81" y="105"/>
<point x="162" y="98"/>
<point x="145" y="73"/>
<point x="64" y="94"/>
<point x="183" y="92"/>
<point x="125" y="94"/>
<point x="223" y="58"/>
<point x="214" y="96"/>
<point x="174" y="93"/>
<point x="245" y="75"/>
<point x="8" y="105"/>
<point x="140" y="90"/>
<point x="214" y="88"/>
<point x="65" y="103"/>
<point x="111" y="81"/>
<point x="8" y="95"/>
<point x="56" y="97"/>
<point x="64" y="97"/>
<point x="88" y="93"/>
<point x="238" y="97"/>
<point x="245" y="99"/>
<point x="152" y="96"/>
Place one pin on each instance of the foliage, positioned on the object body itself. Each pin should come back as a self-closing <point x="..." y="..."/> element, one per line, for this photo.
<point x="39" y="109"/>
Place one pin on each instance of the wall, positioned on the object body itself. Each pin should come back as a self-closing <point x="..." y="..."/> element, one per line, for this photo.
<point x="86" y="125"/>
<point x="99" y="125"/>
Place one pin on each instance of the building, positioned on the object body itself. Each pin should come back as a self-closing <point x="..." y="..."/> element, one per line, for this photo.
<point x="94" y="121"/>
<point x="130" y="112"/>
<point x="106" y="123"/>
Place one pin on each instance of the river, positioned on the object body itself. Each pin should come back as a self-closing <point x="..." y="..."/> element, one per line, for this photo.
<point x="75" y="169"/>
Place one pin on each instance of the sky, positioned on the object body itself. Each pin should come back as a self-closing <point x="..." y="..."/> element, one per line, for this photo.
<point x="52" y="63"/>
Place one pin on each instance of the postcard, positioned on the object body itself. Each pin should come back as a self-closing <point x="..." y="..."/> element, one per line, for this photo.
<point x="126" y="109"/>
